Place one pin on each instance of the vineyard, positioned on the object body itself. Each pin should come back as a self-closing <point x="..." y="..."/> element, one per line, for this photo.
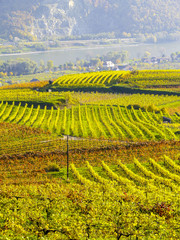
<point x="143" y="78"/>
<point x="143" y="100"/>
<point x="31" y="96"/>
<point x="95" y="121"/>
<point x="139" y="200"/>
<point x="91" y="79"/>
<point x="92" y="165"/>
<point x="155" y="78"/>
<point x="75" y="98"/>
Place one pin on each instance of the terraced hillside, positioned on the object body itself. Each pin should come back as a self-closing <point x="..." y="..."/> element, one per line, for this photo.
<point x="117" y="178"/>
<point x="94" y="121"/>
<point x="142" y="78"/>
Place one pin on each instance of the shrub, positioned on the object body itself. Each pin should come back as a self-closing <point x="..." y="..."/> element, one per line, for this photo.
<point x="52" y="167"/>
<point x="135" y="106"/>
<point x="152" y="108"/>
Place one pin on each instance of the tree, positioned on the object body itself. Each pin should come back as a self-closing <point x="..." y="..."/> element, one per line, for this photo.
<point x="18" y="67"/>
<point x="50" y="65"/>
<point x="70" y="65"/>
<point x="124" y="56"/>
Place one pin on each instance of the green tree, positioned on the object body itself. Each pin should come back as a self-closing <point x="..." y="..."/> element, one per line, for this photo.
<point x="19" y="66"/>
<point x="124" y="56"/>
<point x="50" y="65"/>
<point x="42" y="66"/>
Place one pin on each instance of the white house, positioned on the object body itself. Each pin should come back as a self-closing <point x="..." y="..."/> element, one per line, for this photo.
<point x="109" y="64"/>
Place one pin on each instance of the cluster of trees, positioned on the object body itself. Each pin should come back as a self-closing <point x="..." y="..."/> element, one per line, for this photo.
<point x="116" y="57"/>
<point x="97" y="63"/>
<point x="37" y="46"/>
<point x="175" y="57"/>
<point x="18" y="67"/>
<point x="21" y="66"/>
<point x="119" y="58"/>
<point x="157" y="37"/>
<point x="105" y="35"/>
<point x="139" y="37"/>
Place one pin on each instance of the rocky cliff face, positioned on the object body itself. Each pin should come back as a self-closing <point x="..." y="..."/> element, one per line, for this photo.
<point x="36" y="18"/>
<point x="53" y="19"/>
<point x="45" y="18"/>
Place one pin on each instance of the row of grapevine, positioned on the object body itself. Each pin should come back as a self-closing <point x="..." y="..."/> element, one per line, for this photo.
<point x="99" y="78"/>
<point x="172" y="164"/>
<point x="36" y="205"/>
<point x="153" y="176"/>
<point x="143" y="100"/>
<point x="163" y="172"/>
<point x="133" y="182"/>
<point x="90" y="121"/>
<point x="144" y="77"/>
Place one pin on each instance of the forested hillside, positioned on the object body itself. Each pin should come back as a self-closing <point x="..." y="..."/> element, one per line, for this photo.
<point x="44" y="18"/>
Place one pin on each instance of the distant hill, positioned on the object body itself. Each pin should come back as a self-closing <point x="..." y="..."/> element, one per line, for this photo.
<point x="45" y="18"/>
